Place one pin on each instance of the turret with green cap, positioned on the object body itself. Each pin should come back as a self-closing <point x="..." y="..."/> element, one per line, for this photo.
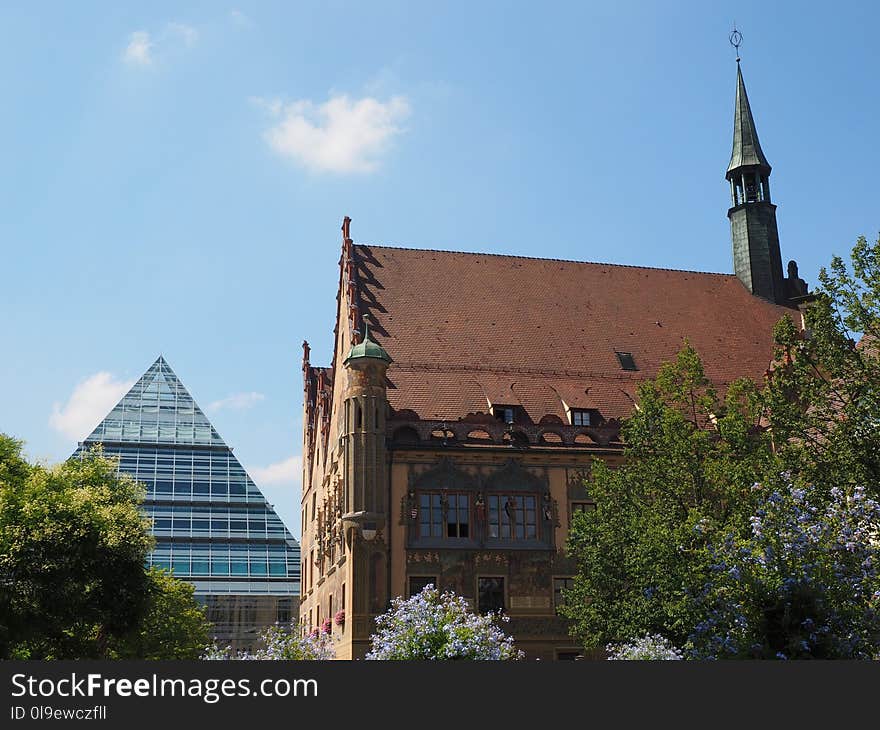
<point x="367" y="347"/>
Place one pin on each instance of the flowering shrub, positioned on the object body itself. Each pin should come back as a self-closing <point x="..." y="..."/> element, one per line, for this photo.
<point x="339" y="617"/>
<point x="326" y="626"/>
<point x="802" y="584"/>
<point x="651" y="647"/>
<point x="434" y="625"/>
<point x="277" y="643"/>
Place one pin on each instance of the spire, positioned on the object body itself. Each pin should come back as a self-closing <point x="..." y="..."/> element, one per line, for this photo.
<point x="747" y="150"/>
<point x="756" y="256"/>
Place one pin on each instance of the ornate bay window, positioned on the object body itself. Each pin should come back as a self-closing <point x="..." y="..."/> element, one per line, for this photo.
<point x="513" y="516"/>
<point x="444" y="514"/>
<point x="508" y="508"/>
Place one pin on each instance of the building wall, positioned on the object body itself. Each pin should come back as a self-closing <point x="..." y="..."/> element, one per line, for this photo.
<point x="366" y="575"/>
<point x="528" y="572"/>
<point x="238" y="620"/>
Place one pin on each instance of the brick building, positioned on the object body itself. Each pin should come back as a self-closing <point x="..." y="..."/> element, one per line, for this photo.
<point x="449" y="438"/>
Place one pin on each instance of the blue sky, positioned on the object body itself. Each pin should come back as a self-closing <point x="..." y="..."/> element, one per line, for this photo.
<point x="175" y="174"/>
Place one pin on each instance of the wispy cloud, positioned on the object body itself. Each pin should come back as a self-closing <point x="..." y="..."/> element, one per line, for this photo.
<point x="237" y="401"/>
<point x="341" y="135"/>
<point x="186" y="33"/>
<point x="286" y="472"/>
<point x="90" y="401"/>
<point x="146" y="49"/>
<point x="240" y="19"/>
<point x="139" y="51"/>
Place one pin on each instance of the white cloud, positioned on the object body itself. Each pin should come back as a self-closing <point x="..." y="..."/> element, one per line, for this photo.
<point x="341" y="135"/>
<point x="272" y="106"/>
<point x="145" y="49"/>
<point x="186" y="33"/>
<point x="280" y="484"/>
<point x="240" y="19"/>
<point x="139" y="51"/>
<point x="90" y="401"/>
<point x="286" y="472"/>
<point x="237" y="401"/>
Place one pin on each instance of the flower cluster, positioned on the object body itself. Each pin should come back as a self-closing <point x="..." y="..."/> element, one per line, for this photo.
<point x="435" y="626"/>
<point x="327" y="625"/>
<point x="339" y="617"/>
<point x="278" y="643"/>
<point x="802" y="583"/>
<point x="650" y="647"/>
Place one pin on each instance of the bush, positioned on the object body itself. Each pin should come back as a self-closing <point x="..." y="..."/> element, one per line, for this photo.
<point x="650" y="647"/>
<point x="803" y="583"/>
<point x="433" y="625"/>
<point x="276" y="643"/>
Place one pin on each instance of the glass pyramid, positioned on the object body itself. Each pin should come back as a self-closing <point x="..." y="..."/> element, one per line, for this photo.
<point x="213" y="526"/>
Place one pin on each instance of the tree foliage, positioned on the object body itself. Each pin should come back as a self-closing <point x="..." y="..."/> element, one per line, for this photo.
<point x="802" y="583"/>
<point x="174" y="625"/>
<point x="689" y="460"/>
<point x="73" y="545"/>
<point x="823" y="399"/>
<point x="730" y="527"/>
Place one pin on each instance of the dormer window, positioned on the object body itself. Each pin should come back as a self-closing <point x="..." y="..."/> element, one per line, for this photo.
<point x="582" y="417"/>
<point x="503" y="413"/>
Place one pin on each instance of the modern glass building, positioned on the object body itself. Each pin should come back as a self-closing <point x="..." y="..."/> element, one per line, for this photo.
<point x="213" y="526"/>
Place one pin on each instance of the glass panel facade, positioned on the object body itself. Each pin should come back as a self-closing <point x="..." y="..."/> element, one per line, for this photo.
<point x="213" y="526"/>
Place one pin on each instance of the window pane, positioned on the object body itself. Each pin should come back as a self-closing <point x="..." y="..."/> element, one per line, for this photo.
<point x="239" y="567"/>
<point x="200" y="567"/>
<point x="491" y="594"/>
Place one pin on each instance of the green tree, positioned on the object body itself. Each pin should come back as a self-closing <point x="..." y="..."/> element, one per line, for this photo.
<point x="174" y="625"/>
<point x="823" y="400"/>
<point x="690" y="460"/>
<point x="73" y="545"/>
<point x="672" y="547"/>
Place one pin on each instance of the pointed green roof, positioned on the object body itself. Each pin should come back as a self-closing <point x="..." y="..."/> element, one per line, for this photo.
<point x="746" y="147"/>
<point x="367" y="347"/>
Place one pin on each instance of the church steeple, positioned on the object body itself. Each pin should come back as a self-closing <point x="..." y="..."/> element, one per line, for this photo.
<point x="757" y="260"/>
<point x="746" y="147"/>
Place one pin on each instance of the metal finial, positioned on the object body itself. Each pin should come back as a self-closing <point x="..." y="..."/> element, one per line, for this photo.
<point x="736" y="39"/>
<point x="366" y="319"/>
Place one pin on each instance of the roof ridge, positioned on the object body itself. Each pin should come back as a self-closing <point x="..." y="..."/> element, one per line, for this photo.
<point x="541" y="258"/>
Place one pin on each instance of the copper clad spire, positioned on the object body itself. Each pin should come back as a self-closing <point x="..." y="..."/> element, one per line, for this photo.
<point x="747" y="150"/>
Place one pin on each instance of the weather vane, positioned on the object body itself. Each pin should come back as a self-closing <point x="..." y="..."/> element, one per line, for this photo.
<point x="736" y="39"/>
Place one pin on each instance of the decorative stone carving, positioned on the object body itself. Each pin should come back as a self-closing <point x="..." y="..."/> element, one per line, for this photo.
<point x="409" y="508"/>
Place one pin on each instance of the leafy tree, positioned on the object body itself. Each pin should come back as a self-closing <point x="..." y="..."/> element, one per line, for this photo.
<point x="690" y="458"/>
<point x="823" y="399"/>
<point x="72" y="552"/>
<point x="802" y="583"/>
<point x="676" y="545"/>
<point x="174" y="625"/>
<point x="73" y="545"/>
<point x="433" y="625"/>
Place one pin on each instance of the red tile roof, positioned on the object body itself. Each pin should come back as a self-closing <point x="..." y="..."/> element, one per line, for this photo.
<point x="466" y="330"/>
